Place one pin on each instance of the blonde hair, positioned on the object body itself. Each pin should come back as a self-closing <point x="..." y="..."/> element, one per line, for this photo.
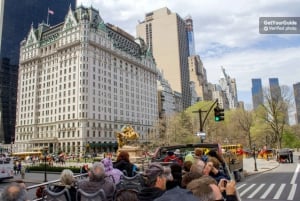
<point x="67" y="177"/>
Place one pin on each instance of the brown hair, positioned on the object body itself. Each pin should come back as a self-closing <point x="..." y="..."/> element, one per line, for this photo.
<point x="187" y="165"/>
<point x="198" y="152"/>
<point x="201" y="187"/>
<point x="188" y="177"/>
<point x="123" y="155"/>
<point x="215" y="161"/>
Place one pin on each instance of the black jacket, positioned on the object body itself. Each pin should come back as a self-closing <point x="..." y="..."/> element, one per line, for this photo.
<point x="72" y="191"/>
<point x="124" y="165"/>
<point x="150" y="193"/>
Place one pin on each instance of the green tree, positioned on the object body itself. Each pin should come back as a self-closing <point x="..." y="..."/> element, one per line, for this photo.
<point x="277" y="102"/>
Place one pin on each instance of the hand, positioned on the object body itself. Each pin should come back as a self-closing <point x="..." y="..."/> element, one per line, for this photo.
<point x="222" y="185"/>
<point x="230" y="188"/>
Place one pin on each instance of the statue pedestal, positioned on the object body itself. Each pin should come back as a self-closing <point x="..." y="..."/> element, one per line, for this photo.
<point x="135" y="152"/>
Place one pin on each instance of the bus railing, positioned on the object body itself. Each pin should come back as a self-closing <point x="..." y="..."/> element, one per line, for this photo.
<point x="33" y="187"/>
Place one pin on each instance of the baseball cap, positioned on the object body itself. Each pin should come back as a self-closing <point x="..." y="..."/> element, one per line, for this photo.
<point x="155" y="169"/>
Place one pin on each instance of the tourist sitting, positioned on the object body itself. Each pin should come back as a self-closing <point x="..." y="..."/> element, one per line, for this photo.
<point x="155" y="182"/>
<point x="110" y="171"/>
<point x="14" y="192"/>
<point x="199" y="187"/>
<point x="123" y="163"/>
<point x="176" y="171"/>
<point x="68" y="181"/>
<point x="98" y="181"/>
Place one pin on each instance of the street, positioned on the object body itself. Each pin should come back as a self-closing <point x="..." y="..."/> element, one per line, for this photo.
<point x="277" y="184"/>
<point x="272" y="181"/>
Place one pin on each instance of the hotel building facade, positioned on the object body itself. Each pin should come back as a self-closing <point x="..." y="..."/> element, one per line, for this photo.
<point x="81" y="81"/>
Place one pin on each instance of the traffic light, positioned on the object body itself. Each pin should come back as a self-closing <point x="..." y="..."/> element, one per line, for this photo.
<point x="219" y="114"/>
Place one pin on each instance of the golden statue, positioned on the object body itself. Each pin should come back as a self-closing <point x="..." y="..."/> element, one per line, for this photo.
<point x="127" y="133"/>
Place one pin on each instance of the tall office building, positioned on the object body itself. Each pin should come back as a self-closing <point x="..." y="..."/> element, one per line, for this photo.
<point x="228" y="85"/>
<point x="80" y="81"/>
<point x="16" y="17"/>
<point x="275" y="90"/>
<point x="257" y="93"/>
<point x="297" y="100"/>
<point x="276" y="95"/>
<point x="199" y="77"/>
<point x="190" y="35"/>
<point x="165" y="33"/>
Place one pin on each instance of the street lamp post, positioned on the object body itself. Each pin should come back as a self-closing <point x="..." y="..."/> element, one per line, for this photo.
<point x="45" y="165"/>
<point x="254" y="157"/>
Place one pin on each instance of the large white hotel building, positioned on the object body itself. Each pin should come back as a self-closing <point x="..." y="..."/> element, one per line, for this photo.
<point x="80" y="81"/>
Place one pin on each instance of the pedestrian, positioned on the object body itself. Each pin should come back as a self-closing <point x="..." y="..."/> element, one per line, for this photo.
<point x="23" y="170"/>
<point x="19" y="167"/>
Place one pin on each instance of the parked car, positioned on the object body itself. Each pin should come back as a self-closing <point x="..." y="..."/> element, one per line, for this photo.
<point x="285" y="155"/>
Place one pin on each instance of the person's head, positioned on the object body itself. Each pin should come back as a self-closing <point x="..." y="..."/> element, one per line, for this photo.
<point x="206" y="181"/>
<point x="67" y="177"/>
<point x="14" y="192"/>
<point x="170" y="153"/>
<point x="189" y="157"/>
<point x="187" y="166"/>
<point x="97" y="172"/>
<point x="197" y="166"/>
<point x="216" y="163"/>
<point x="208" y="168"/>
<point x="21" y="183"/>
<point x="123" y="155"/>
<point x="126" y="194"/>
<point x="188" y="177"/>
<point x="108" y="165"/>
<point x="201" y="189"/>
<point x="198" y="152"/>
<point x="155" y="176"/>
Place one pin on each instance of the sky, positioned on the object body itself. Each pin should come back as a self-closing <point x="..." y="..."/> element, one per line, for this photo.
<point x="226" y="34"/>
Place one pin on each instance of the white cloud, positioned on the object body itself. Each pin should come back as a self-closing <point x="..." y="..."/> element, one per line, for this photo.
<point x="226" y="34"/>
<point x="251" y="63"/>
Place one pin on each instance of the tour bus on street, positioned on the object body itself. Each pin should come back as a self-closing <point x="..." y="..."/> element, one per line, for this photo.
<point x="6" y="169"/>
<point x="184" y="149"/>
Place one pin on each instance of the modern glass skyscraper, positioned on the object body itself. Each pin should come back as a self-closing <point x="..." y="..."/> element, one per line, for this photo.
<point x="17" y="18"/>
<point x="190" y="35"/>
<point x="297" y="101"/>
<point x="275" y="90"/>
<point x="257" y="93"/>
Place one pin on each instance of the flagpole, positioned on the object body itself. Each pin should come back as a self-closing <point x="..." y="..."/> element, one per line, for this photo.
<point x="48" y="16"/>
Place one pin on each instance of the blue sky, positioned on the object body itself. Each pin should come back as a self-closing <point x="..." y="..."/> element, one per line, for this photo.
<point x="226" y="34"/>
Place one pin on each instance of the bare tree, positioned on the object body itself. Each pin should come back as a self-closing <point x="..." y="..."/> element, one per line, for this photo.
<point x="276" y="104"/>
<point x="244" y="122"/>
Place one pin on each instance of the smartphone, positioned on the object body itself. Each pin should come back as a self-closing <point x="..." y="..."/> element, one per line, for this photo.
<point x="225" y="183"/>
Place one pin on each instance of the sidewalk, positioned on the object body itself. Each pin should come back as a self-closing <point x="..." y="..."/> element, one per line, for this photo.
<point x="261" y="164"/>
